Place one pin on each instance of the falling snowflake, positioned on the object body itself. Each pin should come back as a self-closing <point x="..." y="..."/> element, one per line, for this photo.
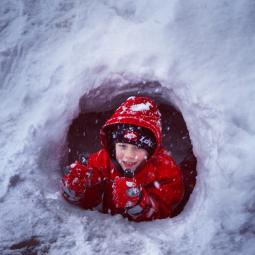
<point x="156" y="184"/>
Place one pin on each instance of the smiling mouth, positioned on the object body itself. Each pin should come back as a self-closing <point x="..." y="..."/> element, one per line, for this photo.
<point x="129" y="164"/>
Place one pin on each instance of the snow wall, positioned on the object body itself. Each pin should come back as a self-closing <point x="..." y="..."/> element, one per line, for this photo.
<point x="53" y="53"/>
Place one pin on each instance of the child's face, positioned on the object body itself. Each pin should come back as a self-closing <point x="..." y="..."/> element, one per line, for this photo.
<point x="130" y="156"/>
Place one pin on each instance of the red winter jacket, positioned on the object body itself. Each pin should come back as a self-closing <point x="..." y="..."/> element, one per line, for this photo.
<point x="160" y="177"/>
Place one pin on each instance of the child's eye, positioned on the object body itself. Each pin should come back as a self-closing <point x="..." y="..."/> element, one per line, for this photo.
<point x="123" y="146"/>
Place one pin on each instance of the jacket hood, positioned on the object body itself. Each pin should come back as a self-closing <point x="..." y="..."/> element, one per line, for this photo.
<point x="138" y="111"/>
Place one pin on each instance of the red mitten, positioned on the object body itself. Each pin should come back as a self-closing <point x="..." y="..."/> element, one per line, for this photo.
<point x="126" y="192"/>
<point x="79" y="178"/>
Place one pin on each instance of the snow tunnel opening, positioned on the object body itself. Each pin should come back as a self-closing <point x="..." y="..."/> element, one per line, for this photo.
<point x="97" y="105"/>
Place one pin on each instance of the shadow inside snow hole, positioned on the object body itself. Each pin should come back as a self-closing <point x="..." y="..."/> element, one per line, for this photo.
<point x="99" y="104"/>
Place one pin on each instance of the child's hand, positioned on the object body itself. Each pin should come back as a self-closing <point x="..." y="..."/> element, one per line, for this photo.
<point x="77" y="179"/>
<point x="126" y="192"/>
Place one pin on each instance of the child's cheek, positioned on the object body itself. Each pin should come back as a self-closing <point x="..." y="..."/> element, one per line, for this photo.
<point x="119" y="155"/>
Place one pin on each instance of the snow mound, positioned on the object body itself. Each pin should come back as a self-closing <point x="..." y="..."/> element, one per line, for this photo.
<point x="54" y="52"/>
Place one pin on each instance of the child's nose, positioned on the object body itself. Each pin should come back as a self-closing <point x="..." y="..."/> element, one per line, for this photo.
<point x="130" y="154"/>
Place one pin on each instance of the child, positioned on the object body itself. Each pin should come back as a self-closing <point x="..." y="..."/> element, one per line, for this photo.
<point x="132" y="174"/>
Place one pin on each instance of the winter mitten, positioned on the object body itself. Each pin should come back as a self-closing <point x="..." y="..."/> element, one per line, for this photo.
<point x="78" y="179"/>
<point x="126" y="192"/>
<point x="146" y="206"/>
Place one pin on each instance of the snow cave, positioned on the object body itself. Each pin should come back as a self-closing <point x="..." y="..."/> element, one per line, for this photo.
<point x="66" y="65"/>
<point x="97" y="105"/>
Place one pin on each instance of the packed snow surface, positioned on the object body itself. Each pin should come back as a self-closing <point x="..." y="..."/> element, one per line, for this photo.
<point x="54" y="52"/>
<point x="140" y="107"/>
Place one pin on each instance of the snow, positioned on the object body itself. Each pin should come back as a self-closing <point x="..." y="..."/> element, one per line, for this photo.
<point x="141" y="107"/>
<point x="54" y="52"/>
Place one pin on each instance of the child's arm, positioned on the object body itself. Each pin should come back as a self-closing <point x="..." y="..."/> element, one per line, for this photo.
<point x="158" y="199"/>
<point x="82" y="184"/>
<point x="161" y="197"/>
